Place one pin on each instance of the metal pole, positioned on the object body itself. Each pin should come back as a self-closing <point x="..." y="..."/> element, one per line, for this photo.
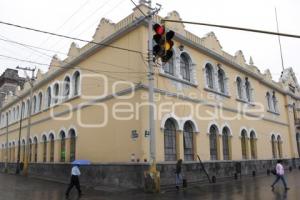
<point x="282" y="64"/>
<point x="6" y="153"/>
<point x="26" y="161"/>
<point x="19" y="142"/>
<point x="151" y="93"/>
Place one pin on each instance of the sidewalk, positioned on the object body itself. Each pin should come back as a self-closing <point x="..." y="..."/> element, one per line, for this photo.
<point x="14" y="187"/>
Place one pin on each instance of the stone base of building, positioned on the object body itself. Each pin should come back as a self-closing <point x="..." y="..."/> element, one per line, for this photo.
<point x="131" y="175"/>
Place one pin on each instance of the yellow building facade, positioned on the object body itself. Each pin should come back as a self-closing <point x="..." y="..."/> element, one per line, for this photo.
<point x="94" y="104"/>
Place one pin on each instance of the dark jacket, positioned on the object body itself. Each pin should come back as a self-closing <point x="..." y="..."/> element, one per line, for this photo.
<point x="178" y="168"/>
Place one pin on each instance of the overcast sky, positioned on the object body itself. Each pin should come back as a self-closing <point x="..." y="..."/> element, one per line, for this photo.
<point x="79" y="18"/>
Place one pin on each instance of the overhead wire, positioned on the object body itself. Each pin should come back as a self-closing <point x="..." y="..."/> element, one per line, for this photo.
<point x="119" y="3"/>
<point x="84" y="20"/>
<point x="93" y="71"/>
<point x="69" y="37"/>
<point x="33" y="48"/>
<point x="65" y="22"/>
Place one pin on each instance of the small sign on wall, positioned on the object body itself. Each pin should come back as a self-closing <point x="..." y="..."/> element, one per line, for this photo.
<point x="134" y="135"/>
<point x="147" y="133"/>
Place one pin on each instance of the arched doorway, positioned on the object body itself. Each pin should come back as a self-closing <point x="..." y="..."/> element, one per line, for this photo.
<point x="225" y="142"/>
<point x="213" y="136"/>
<point x="273" y="142"/>
<point x="298" y="143"/>
<point x="170" y="140"/>
<point x="188" y="142"/>
<point x="244" y="144"/>
<point x="253" y="145"/>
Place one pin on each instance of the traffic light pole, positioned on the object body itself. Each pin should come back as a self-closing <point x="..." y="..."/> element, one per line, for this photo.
<point x="151" y="94"/>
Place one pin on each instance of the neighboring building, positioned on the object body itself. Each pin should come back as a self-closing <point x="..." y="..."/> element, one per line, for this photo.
<point x="93" y="105"/>
<point x="9" y="81"/>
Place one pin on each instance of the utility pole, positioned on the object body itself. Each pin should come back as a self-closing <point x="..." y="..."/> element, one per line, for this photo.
<point x="282" y="63"/>
<point x="26" y="161"/>
<point x="19" y="140"/>
<point x="151" y="93"/>
<point x="6" y="152"/>
<point x="152" y="184"/>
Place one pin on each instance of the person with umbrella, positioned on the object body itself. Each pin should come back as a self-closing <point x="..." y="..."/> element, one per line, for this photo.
<point x="75" y="173"/>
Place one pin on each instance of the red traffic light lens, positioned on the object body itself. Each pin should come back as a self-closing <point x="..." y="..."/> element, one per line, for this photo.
<point x="158" y="29"/>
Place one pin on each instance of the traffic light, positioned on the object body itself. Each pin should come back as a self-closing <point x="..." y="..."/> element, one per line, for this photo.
<point x="163" y="43"/>
<point x="168" y="46"/>
<point x="158" y="38"/>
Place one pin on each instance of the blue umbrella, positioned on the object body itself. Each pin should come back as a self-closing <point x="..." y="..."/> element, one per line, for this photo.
<point x="81" y="162"/>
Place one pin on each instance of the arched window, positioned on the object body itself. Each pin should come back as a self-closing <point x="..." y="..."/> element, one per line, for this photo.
<point x="13" y="151"/>
<point x="274" y="100"/>
<point x="44" y="148"/>
<point x="188" y="141"/>
<point x="279" y="145"/>
<point x="253" y="145"/>
<point x="225" y="141"/>
<point x="18" y="113"/>
<point x="66" y="88"/>
<point x="269" y="101"/>
<point x="9" y="117"/>
<point x="35" y="141"/>
<point x="295" y="112"/>
<point x="30" y="150"/>
<point x="244" y="144"/>
<point x="209" y="76"/>
<point x="72" y="135"/>
<point x="51" y="140"/>
<point x="13" y="115"/>
<point x="62" y="146"/>
<point x="27" y="107"/>
<point x="170" y="140"/>
<point x="48" y="97"/>
<point x="184" y="67"/>
<point x="298" y="143"/>
<point x="23" y="150"/>
<point x="169" y="67"/>
<point x="221" y="80"/>
<point x="239" y="87"/>
<point x="56" y="93"/>
<point x="22" y="114"/>
<point x="274" y="151"/>
<point x="76" y="83"/>
<point x="33" y="106"/>
<point x="248" y="90"/>
<point x="213" y="134"/>
<point x="9" y="152"/>
<point x="2" y="120"/>
<point x="40" y="102"/>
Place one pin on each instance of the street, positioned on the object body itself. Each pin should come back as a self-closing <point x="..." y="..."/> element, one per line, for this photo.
<point x="21" y="188"/>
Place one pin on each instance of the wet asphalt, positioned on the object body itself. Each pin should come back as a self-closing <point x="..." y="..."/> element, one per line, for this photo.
<point x="14" y="187"/>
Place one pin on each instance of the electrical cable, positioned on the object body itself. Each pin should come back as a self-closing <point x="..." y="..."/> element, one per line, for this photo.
<point x="69" y="37"/>
<point x="65" y="22"/>
<point x="34" y="47"/>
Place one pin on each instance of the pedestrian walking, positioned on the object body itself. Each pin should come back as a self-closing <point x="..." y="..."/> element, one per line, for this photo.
<point x="178" y="174"/>
<point x="75" y="173"/>
<point x="280" y="175"/>
<point x="21" y="166"/>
